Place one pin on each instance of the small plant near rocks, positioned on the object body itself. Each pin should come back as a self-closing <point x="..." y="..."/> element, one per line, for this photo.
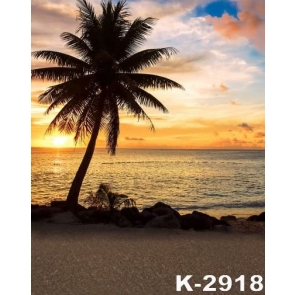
<point x="105" y="199"/>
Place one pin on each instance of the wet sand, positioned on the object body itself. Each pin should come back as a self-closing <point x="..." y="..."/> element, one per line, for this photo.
<point x="104" y="259"/>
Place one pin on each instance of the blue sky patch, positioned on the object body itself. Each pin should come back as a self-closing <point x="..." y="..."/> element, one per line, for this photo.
<point x="218" y="8"/>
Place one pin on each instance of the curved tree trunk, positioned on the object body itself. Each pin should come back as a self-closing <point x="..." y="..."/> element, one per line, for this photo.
<point x="73" y="195"/>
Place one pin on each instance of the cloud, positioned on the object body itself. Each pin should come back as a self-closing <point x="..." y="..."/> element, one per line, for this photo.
<point x="234" y="102"/>
<point x="160" y="9"/>
<point x="246" y="126"/>
<point x="250" y="23"/>
<point x="223" y="88"/>
<point x="259" y="134"/>
<point x="134" y="138"/>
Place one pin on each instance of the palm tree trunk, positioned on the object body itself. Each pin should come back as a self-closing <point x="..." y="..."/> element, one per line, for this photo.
<point x="73" y="195"/>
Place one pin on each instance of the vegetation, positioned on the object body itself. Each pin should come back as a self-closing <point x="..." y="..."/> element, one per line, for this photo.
<point x="102" y="79"/>
<point x="105" y="199"/>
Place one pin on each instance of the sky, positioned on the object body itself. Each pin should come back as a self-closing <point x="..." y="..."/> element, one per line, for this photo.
<point x="220" y="63"/>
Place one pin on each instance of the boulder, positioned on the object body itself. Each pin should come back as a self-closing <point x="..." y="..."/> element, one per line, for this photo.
<point x="131" y="213"/>
<point x="124" y="222"/>
<point x="65" y="217"/>
<point x="261" y="217"/>
<point x="228" y="218"/>
<point x="161" y="209"/>
<point x="165" y="221"/>
<point x="64" y="205"/>
<point x="252" y="218"/>
<point x="212" y="218"/>
<point x="196" y="221"/>
<point x="40" y="212"/>
<point x="147" y="215"/>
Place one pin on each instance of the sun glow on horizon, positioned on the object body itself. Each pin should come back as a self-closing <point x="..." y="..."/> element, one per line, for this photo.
<point x="59" y="141"/>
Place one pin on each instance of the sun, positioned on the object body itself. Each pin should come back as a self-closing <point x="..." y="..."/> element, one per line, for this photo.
<point x="59" y="140"/>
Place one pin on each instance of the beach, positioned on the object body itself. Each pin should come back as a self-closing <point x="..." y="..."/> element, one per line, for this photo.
<point x="104" y="259"/>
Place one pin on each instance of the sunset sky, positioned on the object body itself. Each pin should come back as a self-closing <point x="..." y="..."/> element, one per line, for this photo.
<point x="220" y="63"/>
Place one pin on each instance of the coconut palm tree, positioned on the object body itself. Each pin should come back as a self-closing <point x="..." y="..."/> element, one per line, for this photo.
<point x="102" y="79"/>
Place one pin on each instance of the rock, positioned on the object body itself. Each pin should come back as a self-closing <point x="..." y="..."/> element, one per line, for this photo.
<point x="147" y="215"/>
<point x="228" y="218"/>
<point x="212" y="218"/>
<point x="131" y="213"/>
<point x="261" y="217"/>
<point x="40" y="212"/>
<point x="64" y="206"/>
<point x="161" y="209"/>
<point x="124" y="222"/>
<point x="65" y="217"/>
<point x="165" y="221"/>
<point x="197" y="221"/>
<point x="252" y="218"/>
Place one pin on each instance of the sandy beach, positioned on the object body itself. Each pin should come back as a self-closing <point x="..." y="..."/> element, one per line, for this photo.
<point x="105" y="259"/>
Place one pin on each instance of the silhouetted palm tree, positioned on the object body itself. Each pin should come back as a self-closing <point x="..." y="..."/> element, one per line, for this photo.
<point x="102" y="79"/>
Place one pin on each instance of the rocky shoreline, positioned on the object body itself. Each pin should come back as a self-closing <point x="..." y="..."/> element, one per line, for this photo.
<point x="159" y="215"/>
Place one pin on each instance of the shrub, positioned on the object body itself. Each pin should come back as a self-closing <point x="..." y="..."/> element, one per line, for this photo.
<point x="105" y="199"/>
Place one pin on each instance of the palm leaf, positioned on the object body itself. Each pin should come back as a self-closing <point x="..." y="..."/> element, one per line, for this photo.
<point x="79" y="45"/>
<point x="135" y="36"/>
<point x="61" y="59"/>
<point x="152" y="81"/>
<point x="58" y="74"/>
<point x="145" y="58"/>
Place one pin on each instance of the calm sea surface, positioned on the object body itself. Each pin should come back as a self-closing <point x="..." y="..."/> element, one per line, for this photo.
<point x="211" y="181"/>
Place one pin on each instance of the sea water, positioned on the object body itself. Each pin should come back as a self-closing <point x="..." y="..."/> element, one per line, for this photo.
<point x="217" y="182"/>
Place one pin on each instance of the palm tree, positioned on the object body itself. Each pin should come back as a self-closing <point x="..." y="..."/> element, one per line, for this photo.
<point x="102" y="79"/>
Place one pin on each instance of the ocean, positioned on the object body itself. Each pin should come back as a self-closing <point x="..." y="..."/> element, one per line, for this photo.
<point x="217" y="182"/>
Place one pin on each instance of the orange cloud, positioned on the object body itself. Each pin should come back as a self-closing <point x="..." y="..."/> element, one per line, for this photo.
<point x="250" y="24"/>
<point x="223" y="88"/>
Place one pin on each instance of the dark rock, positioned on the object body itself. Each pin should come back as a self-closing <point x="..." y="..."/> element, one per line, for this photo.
<point x="124" y="222"/>
<point x="261" y="217"/>
<point x="165" y="221"/>
<point x="160" y="205"/>
<point x="65" y="206"/>
<point x="65" y="217"/>
<point x="197" y="221"/>
<point x="93" y="215"/>
<point x="131" y="213"/>
<point x="252" y="218"/>
<point x="41" y="212"/>
<point x="186" y="221"/>
<point x="212" y="218"/>
<point x="161" y="209"/>
<point x="228" y="218"/>
<point x="147" y="215"/>
<point x="60" y="204"/>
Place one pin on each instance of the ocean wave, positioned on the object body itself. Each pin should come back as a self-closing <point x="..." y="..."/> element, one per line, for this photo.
<point x="250" y="204"/>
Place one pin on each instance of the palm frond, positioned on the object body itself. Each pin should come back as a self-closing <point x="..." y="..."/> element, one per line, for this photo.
<point x="152" y="81"/>
<point x="60" y="93"/>
<point x="59" y="58"/>
<point x="148" y="100"/>
<point x="135" y="36"/>
<point x="145" y="58"/>
<point x="79" y="45"/>
<point x="57" y="74"/>
<point x="86" y="16"/>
